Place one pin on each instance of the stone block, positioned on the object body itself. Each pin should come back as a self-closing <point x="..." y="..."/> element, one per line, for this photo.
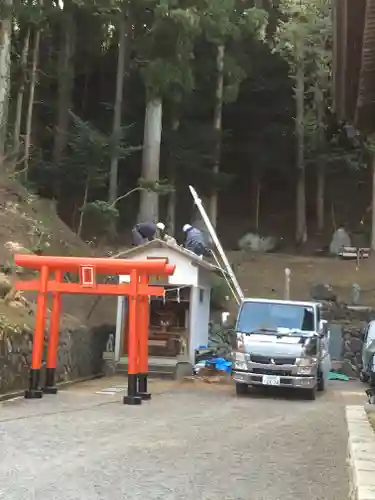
<point x="183" y="369"/>
<point x="365" y="478"/>
<point x="362" y="451"/>
<point x="356" y="437"/>
<point x="324" y="292"/>
<point x="365" y="492"/>
<point x="365" y="465"/>
<point x="357" y="428"/>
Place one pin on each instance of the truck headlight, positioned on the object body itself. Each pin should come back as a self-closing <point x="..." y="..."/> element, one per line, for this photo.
<point x="239" y="356"/>
<point x="240" y="365"/>
<point x="306" y="366"/>
<point x="306" y="361"/>
<point x="240" y="361"/>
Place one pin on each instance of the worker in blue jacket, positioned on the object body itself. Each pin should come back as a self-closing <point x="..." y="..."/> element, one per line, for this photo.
<point x="146" y="231"/>
<point x="194" y="240"/>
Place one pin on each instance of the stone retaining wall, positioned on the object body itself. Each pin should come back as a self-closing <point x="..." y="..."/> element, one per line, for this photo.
<point x="80" y="354"/>
<point x="353" y="322"/>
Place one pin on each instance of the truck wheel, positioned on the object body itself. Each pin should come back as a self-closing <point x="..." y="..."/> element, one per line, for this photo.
<point x="363" y="377"/>
<point x="310" y="394"/>
<point x="241" y="389"/>
<point x="321" y="382"/>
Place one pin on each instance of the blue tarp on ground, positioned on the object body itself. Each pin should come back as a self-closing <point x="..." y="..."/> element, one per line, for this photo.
<point x="220" y="364"/>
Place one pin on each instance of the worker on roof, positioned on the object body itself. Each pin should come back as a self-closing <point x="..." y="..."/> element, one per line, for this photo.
<point x="146" y="231"/>
<point x="194" y="240"/>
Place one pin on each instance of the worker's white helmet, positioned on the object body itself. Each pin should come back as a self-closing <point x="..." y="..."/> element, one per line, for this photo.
<point x="160" y="226"/>
<point x="186" y="228"/>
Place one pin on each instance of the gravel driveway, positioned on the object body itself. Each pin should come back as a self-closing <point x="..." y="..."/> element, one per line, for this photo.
<point x="193" y="443"/>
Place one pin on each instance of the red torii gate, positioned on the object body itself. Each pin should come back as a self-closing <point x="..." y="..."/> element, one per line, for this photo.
<point x="138" y="291"/>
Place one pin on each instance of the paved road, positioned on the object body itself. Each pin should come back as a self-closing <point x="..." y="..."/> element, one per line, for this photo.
<point x="188" y="443"/>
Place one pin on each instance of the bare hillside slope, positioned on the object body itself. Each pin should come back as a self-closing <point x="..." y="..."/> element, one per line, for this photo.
<point x="30" y="224"/>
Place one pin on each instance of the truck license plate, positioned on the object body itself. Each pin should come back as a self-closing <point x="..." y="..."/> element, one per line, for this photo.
<point x="271" y="380"/>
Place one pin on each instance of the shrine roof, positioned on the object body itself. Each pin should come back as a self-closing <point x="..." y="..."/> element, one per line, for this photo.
<point x="156" y="243"/>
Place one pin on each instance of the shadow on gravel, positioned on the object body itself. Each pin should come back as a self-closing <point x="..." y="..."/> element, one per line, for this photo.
<point x="229" y="391"/>
<point x="276" y="393"/>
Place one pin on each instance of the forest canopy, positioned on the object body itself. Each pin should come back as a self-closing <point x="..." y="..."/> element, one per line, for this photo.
<point x="113" y="107"/>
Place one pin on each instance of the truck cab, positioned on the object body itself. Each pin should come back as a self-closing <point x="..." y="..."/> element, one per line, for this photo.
<point x="281" y="343"/>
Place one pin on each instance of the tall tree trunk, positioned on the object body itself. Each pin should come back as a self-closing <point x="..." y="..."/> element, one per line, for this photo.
<point x="116" y="130"/>
<point x="85" y="90"/>
<point x="320" y="195"/>
<point x="213" y="201"/>
<point x="149" y="202"/>
<point x="30" y="107"/>
<point x="65" y="80"/>
<point x="20" y="94"/>
<point x="5" y="41"/>
<point x="256" y="187"/>
<point x="373" y="206"/>
<point x="321" y="170"/>
<point x="83" y="208"/>
<point x="301" y="230"/>
<point x="172" y="197"/>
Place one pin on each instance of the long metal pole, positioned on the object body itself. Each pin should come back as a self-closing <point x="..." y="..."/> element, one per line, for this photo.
<point x="215" y="239"/>
<point x="227" y="279"/>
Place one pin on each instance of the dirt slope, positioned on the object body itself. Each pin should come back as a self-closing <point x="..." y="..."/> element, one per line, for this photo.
<point x="263" y="275"/>
<point x="29" y="224"/>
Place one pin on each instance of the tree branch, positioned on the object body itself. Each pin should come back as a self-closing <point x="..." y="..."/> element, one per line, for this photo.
<point x="112" y="205"/>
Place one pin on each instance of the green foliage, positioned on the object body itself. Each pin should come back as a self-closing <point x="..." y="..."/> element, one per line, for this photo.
<point x="162" y="186"/>
<point x="168" y="50"/>
<point x="228" y="22"/>
<point x="216" y="20"/>
<point x="219" y="293"/>
<point x="40" y="239"/>
<point x="222" y="338"/>
<point x="32" y="14"/>
<point x="225" y="20"/>
<point x="88" y="155"/>
<point x="89" y="146"/>
<point x="101" y="207"/>
<point x="102" y="214"/>
<point x="336" y="150"/>
<point x="234" y="74"/>
<point x="253" y="22"/>
<point x="309" y="24"/>
<point x="165" y="77"/>
<point x="92" y="146"/>
<point x="6" y="10"/>
<point x="369" y="146"/>
<point x="191" y="150"/>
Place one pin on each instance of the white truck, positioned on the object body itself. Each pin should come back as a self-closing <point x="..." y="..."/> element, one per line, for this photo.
<point x="281" y="343"/>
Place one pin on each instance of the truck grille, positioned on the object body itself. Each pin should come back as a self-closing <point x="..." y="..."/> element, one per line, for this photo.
<point x="264" y="371"/>
<point x="266" y="360"/>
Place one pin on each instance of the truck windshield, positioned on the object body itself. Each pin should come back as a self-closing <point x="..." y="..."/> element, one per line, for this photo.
<point x="256" y="316"/>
